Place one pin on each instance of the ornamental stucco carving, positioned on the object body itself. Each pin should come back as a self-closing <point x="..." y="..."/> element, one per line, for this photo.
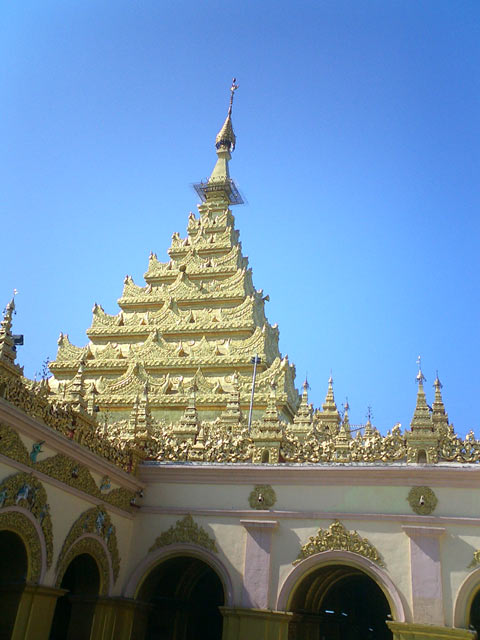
<point x="33" y="399"/>
<point x="21" y="525"/>
<point x="97" y="522"/>
<point x="186" y="531"/>
<point x="422" y="500"/>
<point x="62" y="468"/>
<point x="11" y="445"/>
<point x="338" y="538"/>
<point x="262" y="497"/>
<point x="24" y="490"/>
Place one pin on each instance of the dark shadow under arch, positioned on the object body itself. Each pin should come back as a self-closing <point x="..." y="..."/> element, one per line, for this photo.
<point x="13" y="575"/>
<point x="183" y="595"/>
<point x="74" y="611"/>
<point x="474" y="617"/>
<point x="339" y="602"/>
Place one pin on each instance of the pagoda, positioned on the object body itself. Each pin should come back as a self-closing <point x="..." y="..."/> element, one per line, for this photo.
<point x="183" y="346"/>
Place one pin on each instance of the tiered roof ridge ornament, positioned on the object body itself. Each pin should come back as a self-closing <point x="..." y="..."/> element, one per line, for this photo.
<point x="220" y="185"/>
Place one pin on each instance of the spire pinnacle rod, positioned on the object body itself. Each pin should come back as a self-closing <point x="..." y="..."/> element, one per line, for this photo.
<point x="233" y="88"/>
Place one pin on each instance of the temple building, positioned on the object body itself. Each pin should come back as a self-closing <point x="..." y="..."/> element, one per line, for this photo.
<point x="167" y="481"/>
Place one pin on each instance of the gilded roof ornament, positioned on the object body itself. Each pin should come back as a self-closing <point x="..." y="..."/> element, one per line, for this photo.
<point x="421" y="418"/>
<point x="226" y="137"/>
<point x="8" y="351"/>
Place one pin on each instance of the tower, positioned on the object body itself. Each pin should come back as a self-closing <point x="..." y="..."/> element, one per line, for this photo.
<point x="196" y="323"/>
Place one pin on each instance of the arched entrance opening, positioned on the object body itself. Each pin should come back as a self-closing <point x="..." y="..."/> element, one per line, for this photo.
<point x="184" y="594"/>
<point x="74" y="611"/>
<point x="12" y="579"/>
<point x="474" y="617"/>
<point x="339" y="602"/>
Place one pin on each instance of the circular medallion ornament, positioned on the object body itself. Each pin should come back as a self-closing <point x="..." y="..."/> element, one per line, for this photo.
<point x="422" y="500"/>
<point x="262" y="497"/>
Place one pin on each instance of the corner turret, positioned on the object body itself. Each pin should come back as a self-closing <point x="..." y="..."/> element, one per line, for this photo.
<point x="8" y="352"/>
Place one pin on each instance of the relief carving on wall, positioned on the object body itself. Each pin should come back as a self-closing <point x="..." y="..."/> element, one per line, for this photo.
<point x="338" y="538"/>
<point x="262" y="497"/>
<point x="422" y="500"/>
<point x="186" y="531"/>
<point x="95" y="521"/>
<point x="64" y="469"/>
<point x="94" y="549"/>
<point x="24" y="490"/>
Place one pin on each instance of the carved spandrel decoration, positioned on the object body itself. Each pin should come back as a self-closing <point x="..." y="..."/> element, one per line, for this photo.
<point x="475" y="560"/>
<point x="186" y="531"/>
<point x="95" y="521"/>
<point x="92" y="547"/>
<point x="24" y="490"/>
<point x="422" y="500"/>
<point x="11" y="445"/>
<point x="338" y="538"/>
<point x="64" y="469"/>
<point x="262" y="497"/>
<point x="21" y="525"/>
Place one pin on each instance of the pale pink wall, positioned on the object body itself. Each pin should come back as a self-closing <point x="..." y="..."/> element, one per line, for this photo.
<point x="426" y="574"/>
<point x="256" y="575"/>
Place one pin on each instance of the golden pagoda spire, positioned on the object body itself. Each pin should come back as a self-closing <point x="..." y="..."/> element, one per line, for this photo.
<point x="302" y="422"/>
<point x="8" y="352"/>
<point x="220" y="187"/>
<point x="76" y="395"/>
<point x="421" y="420"/>
<point x="329" y="415"/>
<point x="7" y="345"/>
<point x="439" y="416"/>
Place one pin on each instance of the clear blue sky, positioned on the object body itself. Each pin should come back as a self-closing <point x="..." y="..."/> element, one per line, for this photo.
<point x="358" y="137"/>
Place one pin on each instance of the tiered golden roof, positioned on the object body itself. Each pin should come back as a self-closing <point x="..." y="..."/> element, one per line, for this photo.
<point x="197" y="322"/>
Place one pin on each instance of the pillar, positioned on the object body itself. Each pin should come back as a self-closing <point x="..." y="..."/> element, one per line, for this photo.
<point x="411" y="631"/>
<point x="119" y="619"/>
<point x="426" y="574"/>
<point x="255" y="624"/>
<point x="35" y="612"/>
<point x="256" y="575"/>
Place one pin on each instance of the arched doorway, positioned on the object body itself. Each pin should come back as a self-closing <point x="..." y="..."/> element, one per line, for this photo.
<point x="474" y="617"/>
<point x="339" y="602"/>
<point x="74" y="611"/>
<point x="183" y="594"/>
<point x="12" y="579"/>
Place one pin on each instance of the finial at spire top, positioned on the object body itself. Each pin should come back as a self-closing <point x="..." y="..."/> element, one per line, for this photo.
<point x="233" y="88"/>
<point x="225" y="140"/>
<point x="420" y="377"/>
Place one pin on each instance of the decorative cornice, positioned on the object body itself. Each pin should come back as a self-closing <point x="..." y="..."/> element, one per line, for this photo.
<point x="440" y="475"/>
<point x="14" y="418"/>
